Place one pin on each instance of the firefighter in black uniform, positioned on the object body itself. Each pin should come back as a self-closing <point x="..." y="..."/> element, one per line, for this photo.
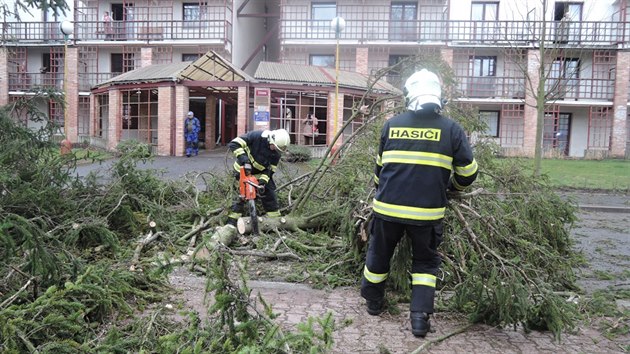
<point x="418" y="150"/>
<point x="261" y="150"/>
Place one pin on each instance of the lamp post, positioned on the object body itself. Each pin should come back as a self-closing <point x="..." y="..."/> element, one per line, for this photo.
<point x="67" y="28"/>
<point x="337" y="24"/>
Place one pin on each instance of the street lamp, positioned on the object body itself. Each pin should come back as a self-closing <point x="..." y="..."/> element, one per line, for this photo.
<point x="67" y="28"/>
<point x="337" y="24"/>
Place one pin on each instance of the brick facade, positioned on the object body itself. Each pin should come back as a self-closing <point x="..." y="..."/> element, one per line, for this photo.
<point x="146" y="56"/>
<point x="4" y="77"/>
<point x="71" y="86"/>
<point x="241" y="115"/>
<point x="165" y="120"/>
<point x="620" y="106"/>
<point x="182" y="95"/>
<point x="362" y="60"/>
<point x="331" y="129"/>
<point x="115" y="121"/>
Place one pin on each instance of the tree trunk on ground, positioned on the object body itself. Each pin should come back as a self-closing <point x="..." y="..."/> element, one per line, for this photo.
<point x="289" y="223"/>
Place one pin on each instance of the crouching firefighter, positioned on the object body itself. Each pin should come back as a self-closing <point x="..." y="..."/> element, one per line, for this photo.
<point x="261" y="150"/>
<point x="418" y="151"/>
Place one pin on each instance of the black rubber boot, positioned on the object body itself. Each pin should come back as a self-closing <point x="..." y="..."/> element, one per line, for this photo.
<point x="420" y="324"/>
<point x="374" y="308"/>
<point x="231" y="221"/>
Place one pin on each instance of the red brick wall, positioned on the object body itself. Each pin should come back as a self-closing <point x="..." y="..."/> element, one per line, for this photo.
<point x="182" y="95"/>
<point x="4" y="77"/>
<point x="620" y="105"/>
<point x="165" y="115"/>
<point x="331" y="130"/>
<point x="72" y="94"/>
<point x="115" y="123"/>
<point x="362" y="57"/>
<point x="146" y="56"/>
<point x="241" y="115"/>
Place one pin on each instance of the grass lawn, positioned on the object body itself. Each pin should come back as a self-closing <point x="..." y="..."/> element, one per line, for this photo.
<point x="586" y="174"/>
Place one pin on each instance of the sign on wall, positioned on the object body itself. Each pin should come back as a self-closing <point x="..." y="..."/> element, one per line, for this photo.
<point x="262" y="107"/>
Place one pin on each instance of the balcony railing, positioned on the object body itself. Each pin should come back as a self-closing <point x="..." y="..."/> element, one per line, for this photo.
<point x="31" y="81"/>
<point x="145" y="31"/>
<point x="486" y="32"/>
<point x="514" y="88"/>
<point x="88" y="80"/>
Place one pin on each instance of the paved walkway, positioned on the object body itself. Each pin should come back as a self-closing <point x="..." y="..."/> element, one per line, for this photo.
<point x="359" y="332"/>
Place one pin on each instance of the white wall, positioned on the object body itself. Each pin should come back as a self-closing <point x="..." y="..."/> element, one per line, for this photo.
<point x="248" y="34"/>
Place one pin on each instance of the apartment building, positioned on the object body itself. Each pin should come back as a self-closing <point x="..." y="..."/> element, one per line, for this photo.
<point x="493" y="47"/>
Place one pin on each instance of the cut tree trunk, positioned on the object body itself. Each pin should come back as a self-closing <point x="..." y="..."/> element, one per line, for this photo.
<point x="289" y="223"/>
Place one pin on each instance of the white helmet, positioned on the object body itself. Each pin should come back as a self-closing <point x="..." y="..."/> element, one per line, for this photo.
<point x="279" y="138"/>
<point x="191" y="114"/>
<point x="422" y="87"/>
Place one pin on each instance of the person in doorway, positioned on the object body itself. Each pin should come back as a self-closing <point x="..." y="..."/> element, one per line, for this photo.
<point x="418" y="151"/>
<point x="192" y="127"/>
<point x="107" y="25"/>
<point x="310" y="129"/>
<point x="260" y="150"/>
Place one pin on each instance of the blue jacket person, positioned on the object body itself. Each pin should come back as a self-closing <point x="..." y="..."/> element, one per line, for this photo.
<point x="192" y="127"/>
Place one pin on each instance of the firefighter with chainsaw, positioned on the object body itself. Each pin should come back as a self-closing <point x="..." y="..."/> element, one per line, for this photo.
<point x="260" y="150"/>
<point x="419" y="149"/>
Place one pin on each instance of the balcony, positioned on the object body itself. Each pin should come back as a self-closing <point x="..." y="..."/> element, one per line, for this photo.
<point x="145" y="31"/>
<point x="488" y="87"/>
<point x="500" y="33"/>
<point x="29" y="81"/>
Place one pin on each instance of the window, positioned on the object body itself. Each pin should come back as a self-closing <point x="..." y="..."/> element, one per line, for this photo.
<point x="482" y="70"/>
<point x="563" y="80"/>
<point x="190" y="57"/>
<point x="403" y="21"/>
<point x="491" y="118"/>
<point x="394" y="76"/>
<point x="194" y="12"/>
<point x="116" y="63"/>
<point x="323" y="60"/>
<point x="323" y="11"/>
<point x="482" y="66"/>
<point x="484" y="11"/>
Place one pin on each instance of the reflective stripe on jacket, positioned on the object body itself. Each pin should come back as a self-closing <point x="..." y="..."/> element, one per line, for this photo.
<point x="418" y="151"/>
<point x="254" y="148"/>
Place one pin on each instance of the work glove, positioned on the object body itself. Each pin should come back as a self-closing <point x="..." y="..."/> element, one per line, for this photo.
<point x="261" y="187"/>
<point x="248" y="169"/>
<point x="243" y="159"/>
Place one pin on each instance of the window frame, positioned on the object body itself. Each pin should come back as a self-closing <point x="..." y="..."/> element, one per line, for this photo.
<point x="200" y="16"/>
<point x="330" y="56"/>
<point x="484" y="114"/>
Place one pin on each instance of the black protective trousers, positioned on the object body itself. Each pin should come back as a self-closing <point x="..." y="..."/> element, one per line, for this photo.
<point x="425" y="240"/>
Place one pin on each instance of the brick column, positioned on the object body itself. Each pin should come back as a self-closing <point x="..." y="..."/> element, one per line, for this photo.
<point x="447" y="56"/>
<point x="72" y="93"/>
<point x="331" y="130"/>
<point x="165" y="115"/>
<point x="210" y="126"/>
<point x="4" y="77"/>
<point x="531" y="113"/>
<point x="241" y="115"/>
<point x="362" y="56"/>
<point x="93" y="116"/>
<point x="620" y="106"/>
<point x="182" y="95"/>
<point x="114" y="128"/>
<point x="146" y="56"/>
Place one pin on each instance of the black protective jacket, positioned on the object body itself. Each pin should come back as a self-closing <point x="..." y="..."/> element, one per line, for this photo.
<point x="253" y="148"/>
<point x="417" y="153"/>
